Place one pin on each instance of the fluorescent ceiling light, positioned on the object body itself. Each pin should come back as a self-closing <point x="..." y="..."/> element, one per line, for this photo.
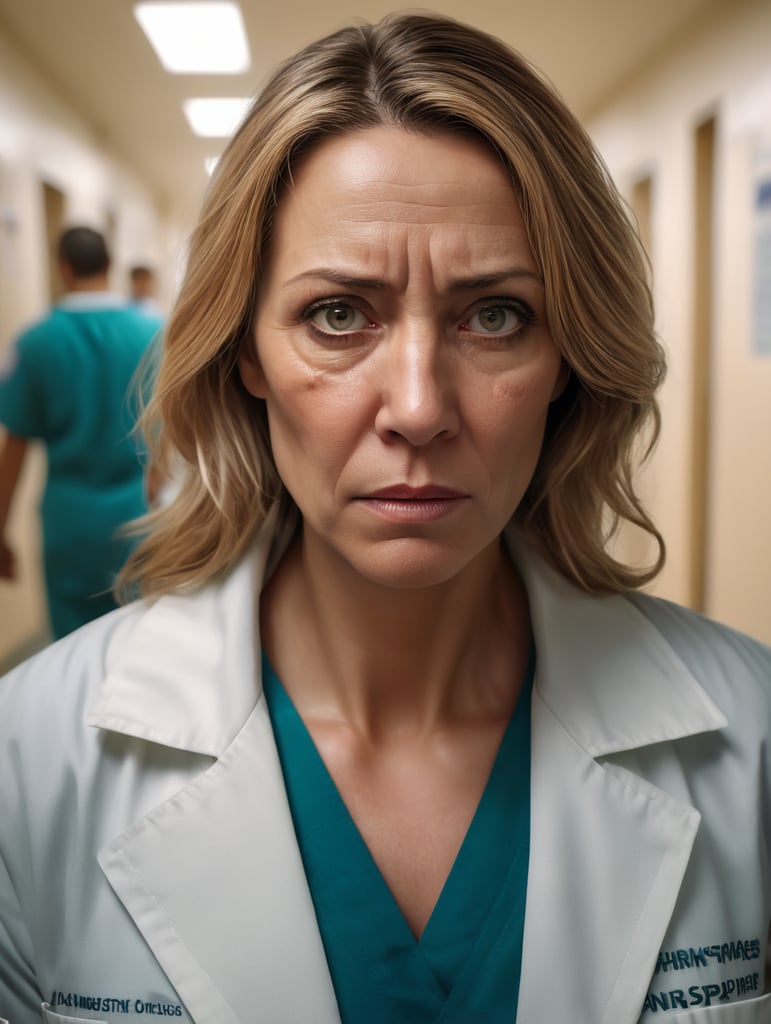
<point x="215" y="118"/>
<point x="196" y="38"/>
<point x="210" y="163"/>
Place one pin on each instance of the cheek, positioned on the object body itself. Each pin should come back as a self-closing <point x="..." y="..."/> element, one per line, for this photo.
<point x="313" y="421"/>
<point x="518" y="409"/>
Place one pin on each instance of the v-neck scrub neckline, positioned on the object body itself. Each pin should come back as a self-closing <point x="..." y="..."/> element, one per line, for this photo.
<point x="465" y="967"/>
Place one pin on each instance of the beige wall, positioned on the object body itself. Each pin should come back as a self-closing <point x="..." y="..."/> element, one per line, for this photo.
<point x="43" y="139"/>
<point x="723" y="70"/>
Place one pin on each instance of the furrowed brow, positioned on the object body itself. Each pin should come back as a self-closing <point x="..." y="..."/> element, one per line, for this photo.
<point x="482" y="281"/>
<point x="463" y="284"/>
<point x="337" y="277"/>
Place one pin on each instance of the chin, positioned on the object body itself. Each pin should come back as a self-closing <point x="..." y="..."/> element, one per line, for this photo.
<point x="410" y="564"/>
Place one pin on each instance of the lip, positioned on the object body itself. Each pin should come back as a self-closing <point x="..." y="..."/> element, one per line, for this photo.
<point x="401" y="503"/>
<point x="404" y="492"/>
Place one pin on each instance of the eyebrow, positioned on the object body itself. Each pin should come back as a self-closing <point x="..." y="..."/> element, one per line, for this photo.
<point x="469" y="284"/>
<point x="461" y="284"/>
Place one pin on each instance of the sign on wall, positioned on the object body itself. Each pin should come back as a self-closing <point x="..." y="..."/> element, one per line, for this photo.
<point x="761" y="283"/>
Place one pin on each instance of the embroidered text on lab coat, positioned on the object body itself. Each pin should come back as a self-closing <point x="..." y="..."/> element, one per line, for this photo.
<point x="710" y="990"/>
<point x="114" y="1004"/>
<point x="706" y="956"/>
<point x="703" y="995"/>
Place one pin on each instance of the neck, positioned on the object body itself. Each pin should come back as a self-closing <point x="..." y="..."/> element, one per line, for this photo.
<point x="96" y="283"/>
<point x="382" y="658"/>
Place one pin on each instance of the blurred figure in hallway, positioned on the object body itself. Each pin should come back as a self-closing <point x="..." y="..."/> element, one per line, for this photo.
<point x="143" y="286"/>
<point x="68" y="382"/>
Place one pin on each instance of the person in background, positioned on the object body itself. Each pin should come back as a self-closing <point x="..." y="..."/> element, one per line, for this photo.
<point x="389" y="734"/>
<point x="143" y="287"/>
<point x="66" y="381"/>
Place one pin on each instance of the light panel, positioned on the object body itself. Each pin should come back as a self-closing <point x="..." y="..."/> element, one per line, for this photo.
<point x="215" y="117"/>
<point x="196" y="38"/>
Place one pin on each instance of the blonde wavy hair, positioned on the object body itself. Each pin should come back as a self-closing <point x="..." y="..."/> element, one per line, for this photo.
<point x="423" y="73"/>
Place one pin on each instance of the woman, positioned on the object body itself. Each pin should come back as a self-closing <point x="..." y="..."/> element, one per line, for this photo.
<point x="388" y="735"/>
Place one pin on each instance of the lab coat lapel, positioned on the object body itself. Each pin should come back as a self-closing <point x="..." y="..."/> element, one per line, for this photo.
<point x="212" y="876"/>
<point x="608" y="855"/>
<point x="214" y="881"/>
<point x="608" y="849"/>
<point x="216" y="869"/>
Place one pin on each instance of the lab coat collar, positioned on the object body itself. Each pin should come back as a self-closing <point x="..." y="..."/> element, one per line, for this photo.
<point x="186" y="678"/>
<point x="610" y="848"/>
<point x="187" y="675"/>
<point x="607" y="673"/>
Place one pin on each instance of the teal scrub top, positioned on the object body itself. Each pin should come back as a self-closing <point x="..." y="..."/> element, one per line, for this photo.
<point x="465" y="967"/>
<point x="67" y="381"/>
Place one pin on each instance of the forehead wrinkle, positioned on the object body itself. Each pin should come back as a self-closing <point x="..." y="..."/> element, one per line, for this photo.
<point x="395" y="255"/>
<point x="423" y="210"/>
<point x="361" y="213"/>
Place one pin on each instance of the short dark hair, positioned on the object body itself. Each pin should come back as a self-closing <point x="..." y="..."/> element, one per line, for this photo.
<point x="141" y="270"/>
<point x="84" y="251"/>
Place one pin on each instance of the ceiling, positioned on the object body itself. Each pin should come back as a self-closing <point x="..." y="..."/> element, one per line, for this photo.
<point x="96" y="57"/>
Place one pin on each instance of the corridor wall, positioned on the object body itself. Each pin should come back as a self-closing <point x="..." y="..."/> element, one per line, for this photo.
<point x="713" y="320"/>
<point x="46" y="147"/>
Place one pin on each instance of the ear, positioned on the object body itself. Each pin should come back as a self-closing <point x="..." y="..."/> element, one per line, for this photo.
<point x="250" y="370"/>
<point x="66" y="275"/>
<point x="561" y="382"/>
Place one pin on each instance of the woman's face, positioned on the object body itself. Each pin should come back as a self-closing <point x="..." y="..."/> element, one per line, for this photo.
<point x="402" y="350"/>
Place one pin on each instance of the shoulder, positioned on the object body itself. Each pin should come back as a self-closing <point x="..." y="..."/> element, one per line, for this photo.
<point x="35" y="334"/>
<point x="27" y="371"/>
<point x="701" y="641"/>
<point x="153" y="319"/>
<point x="734" y="668"/>
<point x="64" y="784"/>
<point x="51" y="760"/>
<point x="51" y="325"/>
<point x="46" y="696"/>
<point x="140" y="321"/>
<point x="33" y="348"/>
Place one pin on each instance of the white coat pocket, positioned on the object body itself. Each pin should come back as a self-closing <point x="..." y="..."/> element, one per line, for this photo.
<point x="748" y="1011"/>
<point x="52" y="1017"/>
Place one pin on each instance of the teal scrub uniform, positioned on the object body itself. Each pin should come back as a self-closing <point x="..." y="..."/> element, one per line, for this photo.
<point x="67" y="381"/>
<point x="465" y="967"/>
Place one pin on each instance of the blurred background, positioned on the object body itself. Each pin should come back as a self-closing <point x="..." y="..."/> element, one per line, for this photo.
<point x="94" y="129"/>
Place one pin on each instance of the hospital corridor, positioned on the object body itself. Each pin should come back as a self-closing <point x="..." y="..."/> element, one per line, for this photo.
<point x="385" y="512"/>
<point x="95" y="131"/>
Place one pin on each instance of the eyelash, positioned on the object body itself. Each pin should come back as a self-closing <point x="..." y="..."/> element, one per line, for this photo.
<point x="527" y="315"/>
<point x="321" y="304"/>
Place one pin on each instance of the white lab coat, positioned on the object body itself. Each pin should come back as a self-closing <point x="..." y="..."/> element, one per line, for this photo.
<point x="150" y="869"/>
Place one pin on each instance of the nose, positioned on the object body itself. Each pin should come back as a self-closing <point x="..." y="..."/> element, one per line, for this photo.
<point x="418" y="397"/>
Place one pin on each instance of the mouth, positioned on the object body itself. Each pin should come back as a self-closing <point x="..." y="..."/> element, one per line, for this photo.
<point x="403" y="492"/>
<point x="404" y="504"/>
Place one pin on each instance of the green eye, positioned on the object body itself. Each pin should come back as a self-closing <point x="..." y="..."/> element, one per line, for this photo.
<point x="494" y="320"/>
<point x="339" y="318"/>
